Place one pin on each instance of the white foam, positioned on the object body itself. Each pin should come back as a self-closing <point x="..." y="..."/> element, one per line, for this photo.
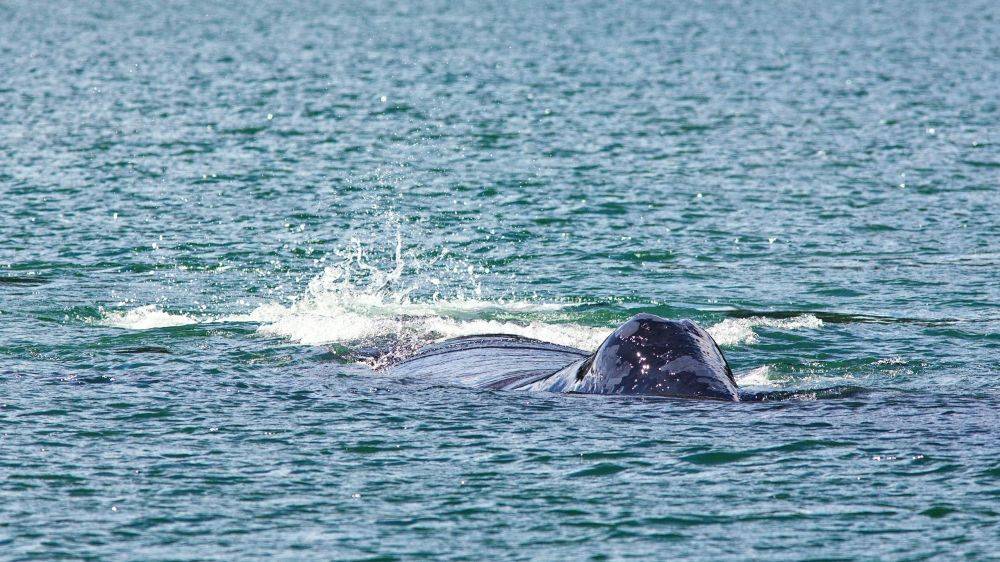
<point x="323" y="316"/>
<point x="366" y="297"/>
<point x="573" y="335"/>
<point x="761" y="376"/>
<point x="145" y="318"/>
<point x="318" y="329"/>
<point x="356" y="301"/>
<point x="333" y="309"/>
<point x="734" y="331"/>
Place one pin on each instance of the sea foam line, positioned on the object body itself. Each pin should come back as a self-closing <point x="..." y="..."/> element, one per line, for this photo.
<point x="735" y="331"/>
<point x="356" y="300"/>
<point x="145" y="317"/>
<point x="335" y="319"/>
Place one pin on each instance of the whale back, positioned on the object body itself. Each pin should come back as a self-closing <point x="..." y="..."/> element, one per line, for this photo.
<point x="488" y="361"/>
<point x="652" y="356"/>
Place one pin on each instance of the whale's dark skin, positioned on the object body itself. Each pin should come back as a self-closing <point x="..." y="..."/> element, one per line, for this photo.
<point x="647" y="355"/>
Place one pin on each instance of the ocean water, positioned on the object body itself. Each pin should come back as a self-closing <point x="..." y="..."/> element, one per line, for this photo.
<point x="211" y="214"/>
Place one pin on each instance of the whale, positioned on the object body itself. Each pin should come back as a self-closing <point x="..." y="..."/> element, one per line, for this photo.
<point x="646" y="356"/>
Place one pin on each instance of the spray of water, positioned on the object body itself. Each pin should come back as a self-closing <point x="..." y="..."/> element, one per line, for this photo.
<point x="395" y="299"/>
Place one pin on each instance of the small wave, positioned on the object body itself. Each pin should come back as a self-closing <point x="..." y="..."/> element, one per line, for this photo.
<point x="316" y="328"/>
<point x="734" y="331"/>
<point x="761" y="376"/>
<point x="597" y="470"/>
<point x="804" y="394"/>
<point x="711" y="458"/>
<point x="573" y="335"/>
<point x="145" y="318"/>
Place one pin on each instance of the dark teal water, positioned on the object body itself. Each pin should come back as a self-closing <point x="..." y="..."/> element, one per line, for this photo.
<point x="210" y="211"/>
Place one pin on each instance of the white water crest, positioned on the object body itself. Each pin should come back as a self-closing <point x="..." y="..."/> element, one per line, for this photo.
<point x="760" y="377"/>
<point x="355" y="301"/>
<point x="145" y="318"/>
<point x="735" y="331"/>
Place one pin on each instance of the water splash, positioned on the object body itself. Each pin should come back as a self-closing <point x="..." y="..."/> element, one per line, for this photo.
<point x="761" y="376"/>
<point x="144" y="318"/>
<point x="384" y="292"/>
<point x="357" y="300"/>
<point x="735" y="331"/>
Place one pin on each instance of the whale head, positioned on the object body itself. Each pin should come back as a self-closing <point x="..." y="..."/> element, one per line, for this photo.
<point x="649" y="355"/>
